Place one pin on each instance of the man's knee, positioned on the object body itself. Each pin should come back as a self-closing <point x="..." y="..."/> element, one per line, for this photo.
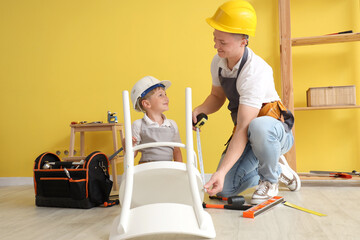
<point x="263" y="128"/>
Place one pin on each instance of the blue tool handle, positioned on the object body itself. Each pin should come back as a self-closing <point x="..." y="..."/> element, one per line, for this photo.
<point x="116" y="153"/>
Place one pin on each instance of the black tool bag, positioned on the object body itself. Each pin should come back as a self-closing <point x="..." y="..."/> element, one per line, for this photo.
<point x="70" y="184"/>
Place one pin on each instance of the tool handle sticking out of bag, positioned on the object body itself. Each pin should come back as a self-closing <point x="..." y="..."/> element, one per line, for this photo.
<point x="115" y="153"/>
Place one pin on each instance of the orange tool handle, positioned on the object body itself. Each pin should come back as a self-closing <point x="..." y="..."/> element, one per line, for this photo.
<point x="111" y="203"/>
<point x="220" y="206"/>
<point x="341" y="175"/>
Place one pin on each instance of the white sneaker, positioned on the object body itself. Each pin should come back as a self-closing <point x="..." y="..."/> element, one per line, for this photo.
<point x="264" y="191"/>
<point x="288" y="176"/>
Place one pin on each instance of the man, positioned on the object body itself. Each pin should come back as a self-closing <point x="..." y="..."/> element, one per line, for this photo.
<point x="254" y="152"/>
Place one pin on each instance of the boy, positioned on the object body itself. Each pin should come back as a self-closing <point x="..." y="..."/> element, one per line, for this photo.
<point x="148" y="95"/>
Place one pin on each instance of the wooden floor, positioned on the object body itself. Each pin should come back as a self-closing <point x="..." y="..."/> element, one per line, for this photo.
<point x="340" y="200"/>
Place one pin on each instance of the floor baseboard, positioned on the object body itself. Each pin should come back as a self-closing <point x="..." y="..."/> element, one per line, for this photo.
<point x="14" y="181"/>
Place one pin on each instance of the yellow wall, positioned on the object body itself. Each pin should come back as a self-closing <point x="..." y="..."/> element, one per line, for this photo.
<point x="63" y="61"/>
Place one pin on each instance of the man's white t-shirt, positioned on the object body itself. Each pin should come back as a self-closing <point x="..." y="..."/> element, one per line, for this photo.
<point x="255" y="83"/>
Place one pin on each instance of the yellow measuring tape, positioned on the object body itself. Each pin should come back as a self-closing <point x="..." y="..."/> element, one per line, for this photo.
<point x="302" y="209"/>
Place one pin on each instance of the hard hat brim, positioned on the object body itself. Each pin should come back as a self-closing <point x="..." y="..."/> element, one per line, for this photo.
<point x="223" y="28"/>
<point x="166" y="84"/>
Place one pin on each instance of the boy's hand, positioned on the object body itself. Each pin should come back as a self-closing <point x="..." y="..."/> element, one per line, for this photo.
<point x="134" y="141"/>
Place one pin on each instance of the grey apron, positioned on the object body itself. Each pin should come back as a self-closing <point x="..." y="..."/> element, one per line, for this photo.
<point x="229" y="87"/>
<point x="161" y="134"/>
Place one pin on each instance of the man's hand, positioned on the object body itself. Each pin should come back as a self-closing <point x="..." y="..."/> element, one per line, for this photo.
<point x="194" y="117"/>
<point x="215" y="184"/>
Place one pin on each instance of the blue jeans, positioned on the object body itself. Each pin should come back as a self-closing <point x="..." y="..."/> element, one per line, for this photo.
<point x="259" y="161"/>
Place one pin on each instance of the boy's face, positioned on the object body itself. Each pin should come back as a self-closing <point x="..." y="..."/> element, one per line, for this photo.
<point x="158" y="102"/>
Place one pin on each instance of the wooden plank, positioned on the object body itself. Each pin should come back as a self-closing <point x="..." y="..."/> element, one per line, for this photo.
<point x="286" y="68"/>
<point x="303" y="41"/>
<point x="285" y="54"/>
<point x="327" y="107"/>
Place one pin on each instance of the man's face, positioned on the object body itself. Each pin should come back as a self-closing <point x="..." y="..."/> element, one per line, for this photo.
<point x="227" y="45"/>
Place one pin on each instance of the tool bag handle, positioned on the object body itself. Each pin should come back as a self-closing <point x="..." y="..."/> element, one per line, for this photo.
<point x="44" y="158"/>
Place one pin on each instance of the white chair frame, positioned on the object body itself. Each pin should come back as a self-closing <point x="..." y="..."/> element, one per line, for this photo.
<point x="161" y="197"/>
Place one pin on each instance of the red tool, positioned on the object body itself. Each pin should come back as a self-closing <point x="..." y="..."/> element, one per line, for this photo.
<point x="111" y="203"/>
<point x="332" y="174"/>
<point x="341" y="175"/>
<point x="344" y="32"/>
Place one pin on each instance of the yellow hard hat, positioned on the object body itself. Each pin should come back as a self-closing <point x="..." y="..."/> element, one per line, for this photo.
<point x="236" y="16"/>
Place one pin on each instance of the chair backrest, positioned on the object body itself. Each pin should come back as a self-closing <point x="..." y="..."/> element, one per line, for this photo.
<point x="159" y="182"/>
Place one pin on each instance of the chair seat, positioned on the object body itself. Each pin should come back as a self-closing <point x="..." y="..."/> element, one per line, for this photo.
<point x="163" y="218"/>
<point x="161" y="182"/>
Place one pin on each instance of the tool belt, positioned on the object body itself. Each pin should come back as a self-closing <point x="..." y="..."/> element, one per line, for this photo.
<point x="278" y="111"/>
<point x="72" y="185"/>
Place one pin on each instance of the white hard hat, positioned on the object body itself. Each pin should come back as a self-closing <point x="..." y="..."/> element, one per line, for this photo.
<point x="144" y="86"/>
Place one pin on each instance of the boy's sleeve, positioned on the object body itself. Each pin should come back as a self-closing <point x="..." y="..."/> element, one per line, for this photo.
<point x="135" y="128"/>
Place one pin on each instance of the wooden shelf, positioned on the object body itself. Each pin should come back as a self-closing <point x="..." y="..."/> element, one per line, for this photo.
<point x="326" y="107"/>
<point x="348" y="37"/>
<point x="286" y="44"/>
